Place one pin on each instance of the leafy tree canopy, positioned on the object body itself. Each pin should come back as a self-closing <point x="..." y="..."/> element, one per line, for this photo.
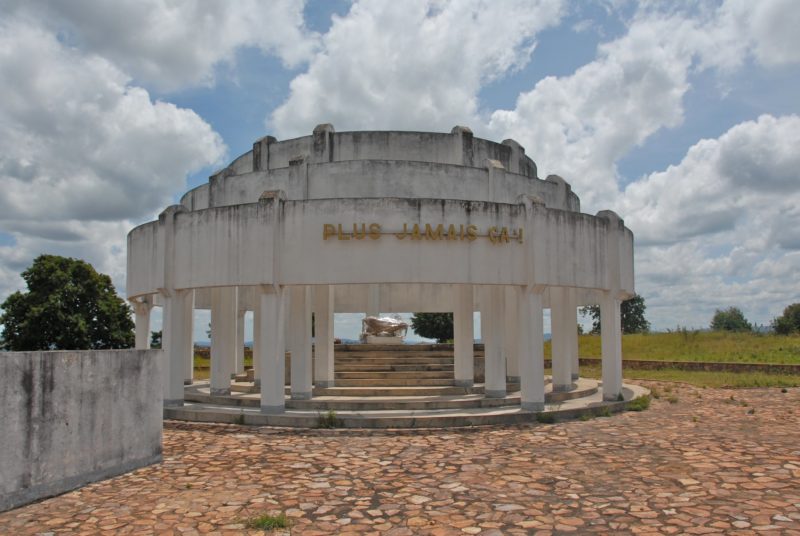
<point x="632" y="312"/>
<point x="155" y="338"/>
<point x="730" y="319"/>
<point x="437" y="326"/>
<point x="68" y="306"/>
<point x="789" y="321"/>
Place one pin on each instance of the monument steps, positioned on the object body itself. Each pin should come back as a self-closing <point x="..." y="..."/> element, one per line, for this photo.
<point x="455" y="411"/>
<point x="396" y="387"/>
<point x="394" y="382"/>
<point x="394" y="368"/>
<point x="395" y="374"/>
<point x="384" y="391"/>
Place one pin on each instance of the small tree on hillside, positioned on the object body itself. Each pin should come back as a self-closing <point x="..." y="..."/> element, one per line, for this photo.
<point x="789" y="321"/>
<point x="437" y="326"/>
<point x="68" y="306"/>
<point x="632" y="313"/>
<point x="155" y="339"/>
<point x="730" y="319"/>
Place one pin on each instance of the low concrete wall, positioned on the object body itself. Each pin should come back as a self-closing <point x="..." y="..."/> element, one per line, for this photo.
<point x="72" y="417"/>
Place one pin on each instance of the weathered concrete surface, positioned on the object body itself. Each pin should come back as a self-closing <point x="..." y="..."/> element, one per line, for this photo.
<point x="715" y="461"/>
<point x="73" y="417"/>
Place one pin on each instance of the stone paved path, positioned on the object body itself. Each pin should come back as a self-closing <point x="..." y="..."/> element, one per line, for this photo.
<point x="705" y="463"/>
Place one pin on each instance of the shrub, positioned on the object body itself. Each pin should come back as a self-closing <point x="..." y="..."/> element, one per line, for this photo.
<point x="640" y="403"/>
<point x="789" y="321"/>
<point x="329" y="420"/>
<point x="730" y="319"/>
<point x="545" y="418"/>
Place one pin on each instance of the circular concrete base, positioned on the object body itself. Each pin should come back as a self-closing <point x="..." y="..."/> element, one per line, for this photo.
<point x="467" y="409"/>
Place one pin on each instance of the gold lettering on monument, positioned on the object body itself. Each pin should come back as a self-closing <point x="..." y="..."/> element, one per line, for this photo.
<point x="427" y="232"/>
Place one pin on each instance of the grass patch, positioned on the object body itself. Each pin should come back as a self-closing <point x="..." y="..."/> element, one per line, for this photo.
<point x="709" y="346"/>
<point x="640" y="403"/>
<point x="267" y="522"/>
<point x="329" y="420"/>
<point x="703" y="378"/>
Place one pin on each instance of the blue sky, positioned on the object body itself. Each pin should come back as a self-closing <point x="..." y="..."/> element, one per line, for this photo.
<point x="682" y="119"/>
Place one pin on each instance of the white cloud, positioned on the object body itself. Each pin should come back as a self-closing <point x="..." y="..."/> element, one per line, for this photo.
<point x="721" y="227"/>
<point x="768" y="27"/>
<point x="580" y="125"/>
<point x="415" y="64"/>
<point x="710" y="229"/>
<point x="84" y="152"/>
<point x="176" y="44"/>
<point x="752" y="172"/>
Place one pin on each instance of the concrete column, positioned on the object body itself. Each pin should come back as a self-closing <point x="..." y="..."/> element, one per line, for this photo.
<point x="223" y="338"/>
<point x="174" y="345"/>
<point x="239" y="359"/>
<point x="300" y="342"/>
<point x="141" y="311"/>
<point x="492" y="331"/>
<point x="188" y="326"/>
<point x="611" y="345"/>
<point x="572" y="312"/>
<point x="511" y="336"/>
<point x="463" y="337"/>
<point x="561" y="326"/>
<point x="373" y="300"/>
<point x="257" y="341"/>
<point x="270" y="350"/>
<point x="531" y="346"/>
<point x="323" y="336"/>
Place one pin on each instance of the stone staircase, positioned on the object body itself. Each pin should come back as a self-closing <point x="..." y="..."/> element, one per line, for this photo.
<point x="391" y="386"/>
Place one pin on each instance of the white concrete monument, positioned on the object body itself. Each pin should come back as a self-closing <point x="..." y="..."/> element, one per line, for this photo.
<point x="381" y="222"/>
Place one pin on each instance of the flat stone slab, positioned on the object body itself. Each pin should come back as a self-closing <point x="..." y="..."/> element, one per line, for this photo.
<point x="703" y="464"/>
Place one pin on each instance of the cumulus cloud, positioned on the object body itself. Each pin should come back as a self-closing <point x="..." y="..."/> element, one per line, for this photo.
<point x="721" y="227"/>
<point x="85" y="152"/>
<point x="175" y="44"/>
<point x="411" y="65"/>
<point x="753" y="170"/>
<point x="581" y="125"/>
<point x="80" y="143"/>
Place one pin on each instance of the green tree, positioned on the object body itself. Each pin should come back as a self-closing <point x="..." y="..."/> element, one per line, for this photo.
<point x="155" y="338"/>
<point x="632" y="313"/>
<point x="68" y="306"/>
<point x="789" y="321"/>
<point x="730" y="319"/>
<point x="437" y="326"/>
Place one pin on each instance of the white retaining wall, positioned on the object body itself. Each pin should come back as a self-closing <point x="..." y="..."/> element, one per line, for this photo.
<point x="68" y="418"/>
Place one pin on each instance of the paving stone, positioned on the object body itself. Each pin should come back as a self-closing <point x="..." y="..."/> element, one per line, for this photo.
<point x="700" y="466"/>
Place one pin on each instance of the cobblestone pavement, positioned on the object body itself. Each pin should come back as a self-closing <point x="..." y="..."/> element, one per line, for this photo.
<point x="706" y="461"/>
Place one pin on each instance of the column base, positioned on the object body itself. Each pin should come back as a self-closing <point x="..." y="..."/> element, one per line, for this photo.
<point x="560" y="388"/>
<point x="273" y="410"/>
<point x="301" y="396"/>
<point x="575" y="376"/>
<point x="512" y="379"/>
<point x="221" y="392"/>
<point x="324" y="383"/>
<point x="176" y="402"/>
<point x="495" y="393"/>
<point x="463" y="383"/>
<point x="611" y="397"/>
<point x="532" y="406"/>
<point x="188" y="382"/>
